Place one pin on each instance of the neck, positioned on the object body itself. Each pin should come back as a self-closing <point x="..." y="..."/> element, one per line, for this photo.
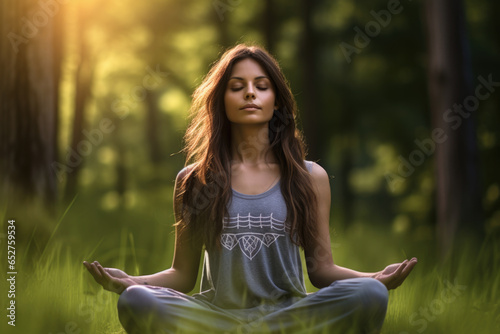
<point x="250" y="144"/>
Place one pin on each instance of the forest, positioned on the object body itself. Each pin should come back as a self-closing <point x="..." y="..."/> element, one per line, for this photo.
<point x="398" y="101"/>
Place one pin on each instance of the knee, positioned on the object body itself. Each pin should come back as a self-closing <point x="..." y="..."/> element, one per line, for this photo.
<point x="136" y="309"/>
<point x="374" y="294"/>
<point x="135" y="299"/>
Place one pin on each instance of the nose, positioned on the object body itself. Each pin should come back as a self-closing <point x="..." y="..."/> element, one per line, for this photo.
<point x="250" y="93"/>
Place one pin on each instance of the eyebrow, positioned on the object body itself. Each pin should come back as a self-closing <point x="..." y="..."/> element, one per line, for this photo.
<point x="256" y="78"/>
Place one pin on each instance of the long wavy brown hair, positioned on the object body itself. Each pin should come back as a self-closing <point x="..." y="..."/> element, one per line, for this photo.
<point x="205" y="190"/>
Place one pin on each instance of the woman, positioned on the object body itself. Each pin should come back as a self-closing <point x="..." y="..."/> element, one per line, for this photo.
<point x="250" y="200"/>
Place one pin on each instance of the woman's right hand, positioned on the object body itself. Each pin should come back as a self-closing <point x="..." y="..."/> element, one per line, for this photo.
<point x="111" y="279"/>
<point x="394" y="274"/>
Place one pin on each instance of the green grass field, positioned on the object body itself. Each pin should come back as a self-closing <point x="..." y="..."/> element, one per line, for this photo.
<point x="54" y="293"/>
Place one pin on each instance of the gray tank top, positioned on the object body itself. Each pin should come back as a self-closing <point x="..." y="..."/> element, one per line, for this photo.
<point x="257" y="264"/>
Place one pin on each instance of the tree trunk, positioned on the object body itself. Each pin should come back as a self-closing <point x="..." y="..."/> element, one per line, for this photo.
<point x="83" y="79"/>
<point x="309" y="110"/>
<point x="449" y="84"/>
<point x="220" y="15"/>
<point x="269" y="26"/>
<point x="29" y="102"/>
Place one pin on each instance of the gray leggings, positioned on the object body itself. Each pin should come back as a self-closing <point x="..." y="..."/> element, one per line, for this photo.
<point x="356" y="305"/>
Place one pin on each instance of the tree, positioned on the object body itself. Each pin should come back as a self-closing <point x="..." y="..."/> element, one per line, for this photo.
<point x="83" y="81"/>
<point x="30" y="58"/>
<point x="269" y="25"/>
<point x="309" y="109"/>
<point x="449" y="84"/>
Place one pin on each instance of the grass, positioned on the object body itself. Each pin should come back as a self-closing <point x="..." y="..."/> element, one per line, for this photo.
<point x="54" y="293"/>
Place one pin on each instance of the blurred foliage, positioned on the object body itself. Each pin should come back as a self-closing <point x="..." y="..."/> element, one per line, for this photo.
<point x="148" y="57"/>
<point x="371" y="109"/>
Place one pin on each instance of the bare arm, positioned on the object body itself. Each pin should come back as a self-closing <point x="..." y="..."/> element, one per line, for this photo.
<point x="321" y="269"/>
<point x="181" y="276"/>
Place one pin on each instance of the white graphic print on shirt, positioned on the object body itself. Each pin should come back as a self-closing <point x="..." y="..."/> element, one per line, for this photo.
<point x="251" y="242"/>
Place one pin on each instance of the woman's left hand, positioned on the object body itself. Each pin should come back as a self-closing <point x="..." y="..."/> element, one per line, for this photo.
<point x="394" y="275"/>
<point x="111" y="279"/>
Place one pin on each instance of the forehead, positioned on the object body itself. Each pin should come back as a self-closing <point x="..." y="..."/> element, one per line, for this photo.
<point x="248" y="68"/>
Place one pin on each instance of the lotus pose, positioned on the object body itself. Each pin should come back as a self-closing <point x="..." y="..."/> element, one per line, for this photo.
<point x="249" y="201"/>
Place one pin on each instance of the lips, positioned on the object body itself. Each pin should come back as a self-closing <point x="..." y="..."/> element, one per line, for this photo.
<point x="250" y="106"/>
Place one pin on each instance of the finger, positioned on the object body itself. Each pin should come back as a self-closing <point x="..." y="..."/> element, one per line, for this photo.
<point x="406" y="271"/>
<point x="89" y="267"/>
<point x="400" y="269"/>
<point x="396" y="278"/>
<point x="109" y="282"/>
<point x="95" y="272"/>
<point x="409" y="268"/>
<point x="106" y="276"/>
<point x="94" y="265"/>
<point x="103" y="272"/>
<point x="411" y="264"/>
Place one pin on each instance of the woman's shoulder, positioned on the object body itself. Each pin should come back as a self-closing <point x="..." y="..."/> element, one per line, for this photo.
<point x="317" y="172"/>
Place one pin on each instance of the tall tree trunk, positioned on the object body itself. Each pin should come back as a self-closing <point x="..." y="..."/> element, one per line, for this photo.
<point x="309" y="110"/>
<point x="449" y="84"/>
<point x="29" y="101"/>
<point x="220" y="15"/>
<point x="83" y="79"/>
<point x="269" y="25"/>
<point x="59" y="35"/>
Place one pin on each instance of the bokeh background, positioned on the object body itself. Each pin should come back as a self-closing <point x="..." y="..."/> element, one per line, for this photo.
<point x="398" y="101"/>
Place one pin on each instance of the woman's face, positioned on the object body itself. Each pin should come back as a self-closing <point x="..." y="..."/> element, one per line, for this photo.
<point x="249" y="97"/>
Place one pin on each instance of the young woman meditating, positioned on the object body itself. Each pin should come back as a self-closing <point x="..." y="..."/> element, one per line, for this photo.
<point x="249" y="199"/>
